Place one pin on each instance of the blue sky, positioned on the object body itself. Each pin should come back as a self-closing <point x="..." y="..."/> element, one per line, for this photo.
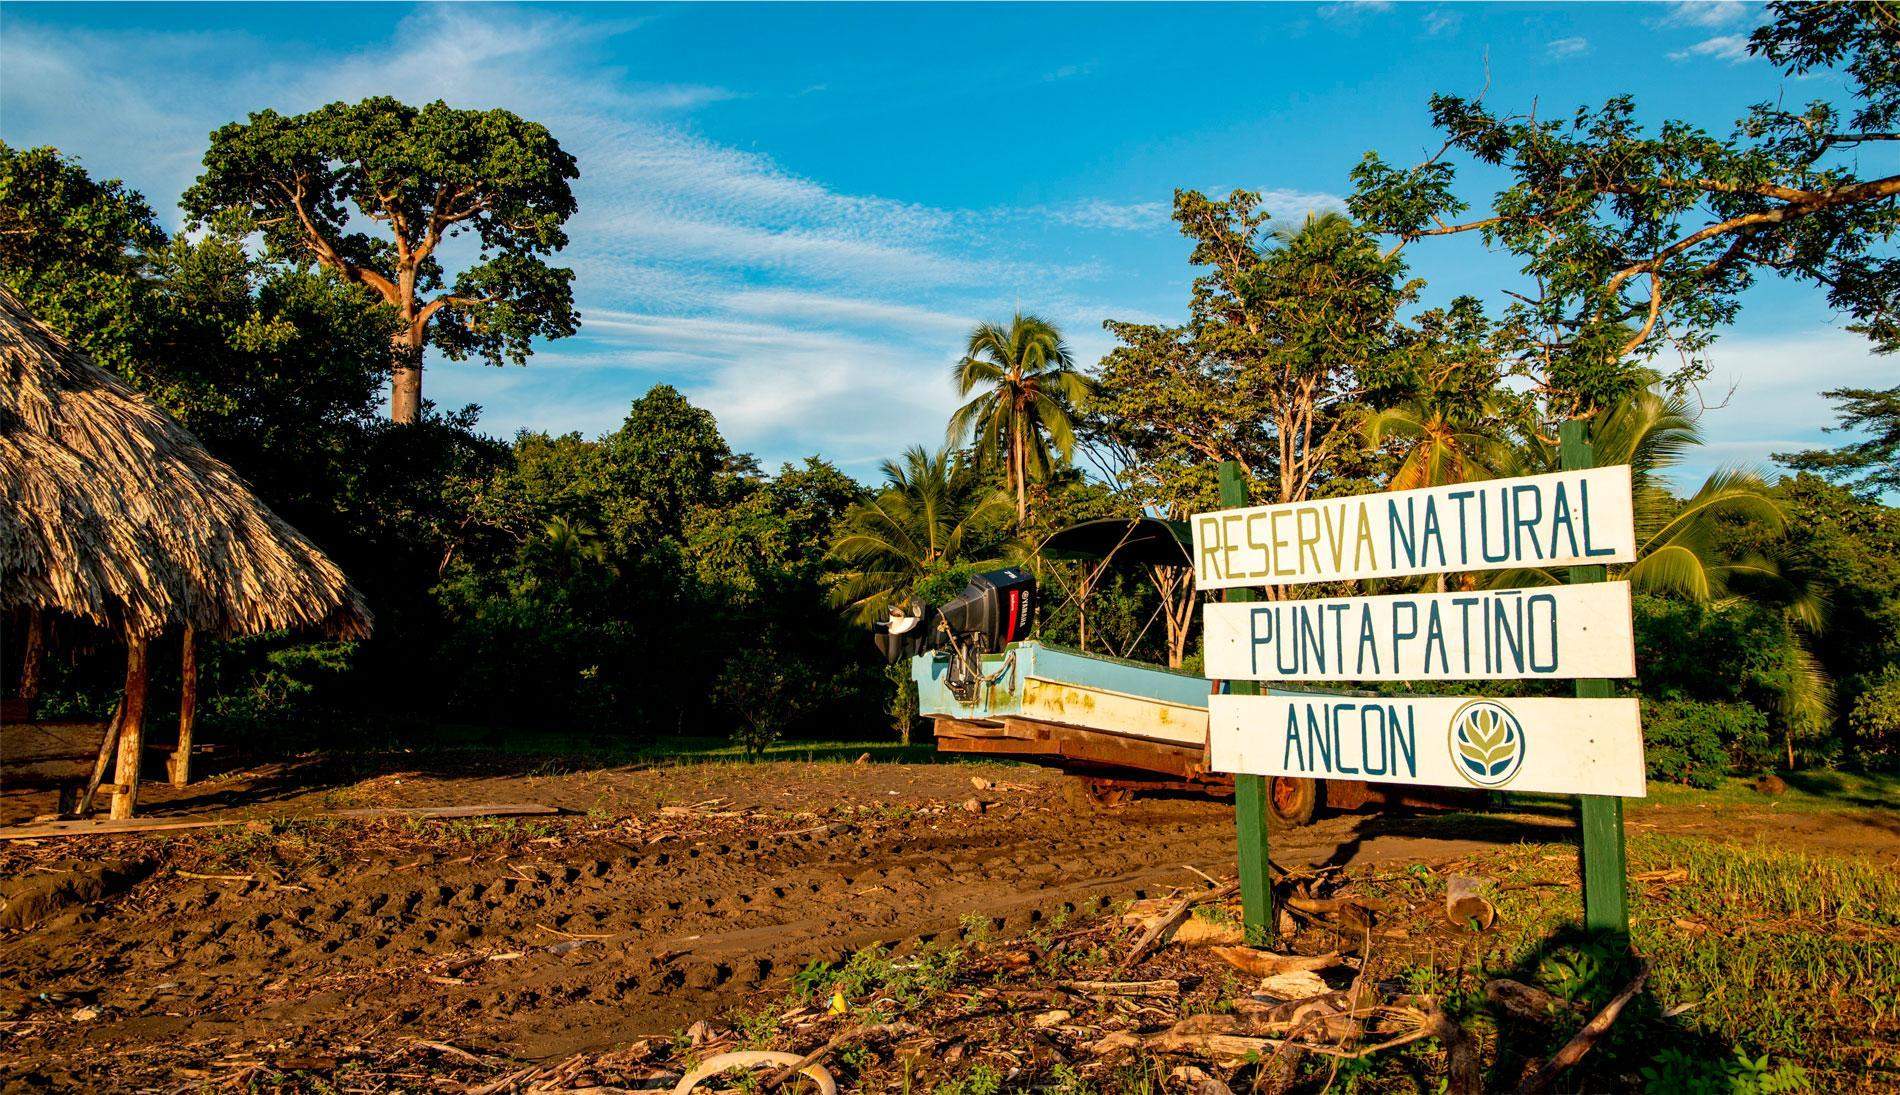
<point x="793" y="212"/>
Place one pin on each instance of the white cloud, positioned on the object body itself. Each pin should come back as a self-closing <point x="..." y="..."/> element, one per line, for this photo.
<point x="1704" y="13"/>
<point x="1766" y="392"/>
<point x="1350" y="11"/>
<point x="1732" y="48"/>
<point x="1111" y="215"/>
<point x="806" y="317"/>
<point x="1442" y="21"/>
<point x="1561" y="48"/>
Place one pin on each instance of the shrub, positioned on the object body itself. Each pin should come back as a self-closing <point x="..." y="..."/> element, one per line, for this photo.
<point x="1687" y="741"/>
<point x="1875" y="722"/>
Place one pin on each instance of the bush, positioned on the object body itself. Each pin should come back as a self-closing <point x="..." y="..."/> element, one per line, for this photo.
<point x="1875" y="722"/>
<point x="1697" y="743"/>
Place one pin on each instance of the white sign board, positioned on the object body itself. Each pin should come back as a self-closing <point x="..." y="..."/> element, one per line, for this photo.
<point x="1551" y="631"/>
<point x="1559" y="519"/>
<point x="1562" y="746"/>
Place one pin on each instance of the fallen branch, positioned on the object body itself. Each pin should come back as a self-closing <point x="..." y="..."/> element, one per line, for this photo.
<point x="713" y="1066"/>
<point x="1166" y="986"/>
<point x="1585" y="1040"/>
<point x="1267" y="964"/>
<point x="1158" y="932"/>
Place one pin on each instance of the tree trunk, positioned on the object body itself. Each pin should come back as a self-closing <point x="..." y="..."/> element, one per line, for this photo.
<point x="131" y="729"/>
<point x="1020" y="480"/>
<point x="405" y="383"/>
<point x="32" y="659"/>
<point x="179" y="769"/>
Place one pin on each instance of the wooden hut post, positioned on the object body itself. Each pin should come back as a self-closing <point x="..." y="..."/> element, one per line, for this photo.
<point x="179" y="767"/>
<point x="131" y="728"/>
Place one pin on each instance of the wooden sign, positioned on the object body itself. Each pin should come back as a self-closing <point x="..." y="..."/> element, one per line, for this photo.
<point x="1559" y="519"/>
<point x="1562" y="746"/>
<point x="1550" y="631"/>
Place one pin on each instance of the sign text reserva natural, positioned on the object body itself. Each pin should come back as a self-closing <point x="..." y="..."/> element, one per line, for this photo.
<point x="1559" y="519"/>
<point x="1550" y="632"/>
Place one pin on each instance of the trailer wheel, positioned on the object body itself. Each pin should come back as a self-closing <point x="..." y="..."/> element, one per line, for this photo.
<point x="1292" y="801"/>
<point x="1089" y="795"/>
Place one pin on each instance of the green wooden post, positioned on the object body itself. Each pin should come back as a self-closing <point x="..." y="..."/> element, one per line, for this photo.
<point x="1605" y="865"/>
<point x="1250" y="792"/>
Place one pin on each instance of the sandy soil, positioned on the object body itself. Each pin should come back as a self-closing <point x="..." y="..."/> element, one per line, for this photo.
<point x="669" y="893"/>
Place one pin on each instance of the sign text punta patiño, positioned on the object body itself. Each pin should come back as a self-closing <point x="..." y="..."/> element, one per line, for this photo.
<point x="1498" y="634"/>
<point x="1558" y="519"/>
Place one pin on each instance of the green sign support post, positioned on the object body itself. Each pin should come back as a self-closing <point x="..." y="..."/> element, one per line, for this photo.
<point x="1250" y="792"/>
<point x="1605" y="865"/>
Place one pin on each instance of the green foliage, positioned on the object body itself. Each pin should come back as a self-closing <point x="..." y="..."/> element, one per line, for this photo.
<point x="1025" y="417"/>
<point x="1678" y="1072"/>
<point x="1874" y="722"/>
<point x="934" y="514"/>
<point x="1872" y="464"/>
<point x="1685" y="741"/>
<point x="1638" y="238"/>
<point x="73" y="248"/>
<point x="308" y="184"/>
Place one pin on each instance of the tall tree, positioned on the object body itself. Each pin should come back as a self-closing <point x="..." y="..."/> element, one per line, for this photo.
<point x="930" y="515"/>
<point x="1871" y="464"/>
<point x="1637" y="240"/>
<point x="76" y="250"/>
<point x="1027" y="407"/>
<point x="420" y="177"/>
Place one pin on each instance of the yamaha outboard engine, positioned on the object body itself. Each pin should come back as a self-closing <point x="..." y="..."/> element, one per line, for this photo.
<point x="994" y="610"/>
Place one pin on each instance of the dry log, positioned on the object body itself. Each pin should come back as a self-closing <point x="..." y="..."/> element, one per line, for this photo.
<point x="102" y="827"/>
<point x="1166" y="986"/>
<point x="1215" y="1037"/>
<point x="1266" y="963"/>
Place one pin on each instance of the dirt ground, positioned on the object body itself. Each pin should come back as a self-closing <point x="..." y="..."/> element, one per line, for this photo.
<point x="665" y="895"/>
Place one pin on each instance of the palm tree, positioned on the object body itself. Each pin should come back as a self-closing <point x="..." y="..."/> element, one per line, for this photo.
<point x="1444" y="438"/>
<point x="917" y="525"/>
<point x="1688" y="548"/>
<point x="1030" y="393"/>
<point x="1682" y="546"/>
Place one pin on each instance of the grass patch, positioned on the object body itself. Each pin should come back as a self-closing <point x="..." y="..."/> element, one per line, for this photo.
<point x="1761" y="959"/>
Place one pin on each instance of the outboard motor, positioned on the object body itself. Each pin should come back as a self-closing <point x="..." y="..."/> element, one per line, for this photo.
<point x="994" y="610"/>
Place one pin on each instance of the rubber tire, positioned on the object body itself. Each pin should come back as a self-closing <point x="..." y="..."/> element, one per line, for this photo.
<point x="1291" y="801"/>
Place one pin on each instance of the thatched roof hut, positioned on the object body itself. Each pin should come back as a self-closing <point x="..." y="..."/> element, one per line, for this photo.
<point x="112" y="512"/>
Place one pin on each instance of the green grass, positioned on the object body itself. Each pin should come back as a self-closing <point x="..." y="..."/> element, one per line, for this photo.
<point x="1758" y="950"/>
<point x="1813" y="790"/>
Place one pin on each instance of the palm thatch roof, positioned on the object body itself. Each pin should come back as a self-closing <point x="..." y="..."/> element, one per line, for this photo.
<point x="112" y="512"/>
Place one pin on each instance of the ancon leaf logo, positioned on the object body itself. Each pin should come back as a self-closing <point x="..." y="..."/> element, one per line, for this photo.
<point x="1487" y="743"/>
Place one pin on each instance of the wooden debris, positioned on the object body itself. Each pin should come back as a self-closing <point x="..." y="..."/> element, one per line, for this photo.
<point x="1263" y="963"/>
<point x="1157" y="934"/>
<point x="755" y="1058"/>
<point x="1584" y="1040"/>
<point x="1526" y="1002"/>
<point x="1166" y="986"/>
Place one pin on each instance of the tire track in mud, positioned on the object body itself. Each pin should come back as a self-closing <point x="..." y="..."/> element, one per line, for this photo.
<point x="597" y="941"/>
